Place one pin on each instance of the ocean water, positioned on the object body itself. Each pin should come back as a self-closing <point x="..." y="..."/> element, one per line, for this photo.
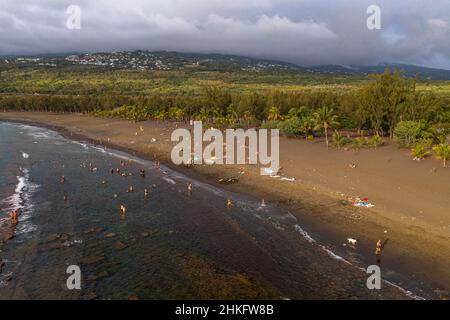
<point x="166" y="246"/>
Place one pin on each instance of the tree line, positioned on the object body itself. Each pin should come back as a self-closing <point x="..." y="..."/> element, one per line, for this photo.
<point x="376" y="106"/>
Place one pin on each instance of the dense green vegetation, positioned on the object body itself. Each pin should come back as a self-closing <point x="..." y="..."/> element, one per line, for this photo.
<point x="296" y="103"/>
<point x="415" y="114"/>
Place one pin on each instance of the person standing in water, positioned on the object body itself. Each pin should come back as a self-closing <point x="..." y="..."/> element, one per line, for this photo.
<point x="189" y="189"/>
<point x="13" y="217"/>
<point x="146" y="193"/>
<point x="123" y="210"/>
<point x="229" y="204"/>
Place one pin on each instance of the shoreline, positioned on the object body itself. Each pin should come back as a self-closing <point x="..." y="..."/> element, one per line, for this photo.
<point x="320" y="214"/>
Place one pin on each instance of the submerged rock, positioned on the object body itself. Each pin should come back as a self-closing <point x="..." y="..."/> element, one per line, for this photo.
<point x="92" y="259"/>
<point x="120" y="246"/>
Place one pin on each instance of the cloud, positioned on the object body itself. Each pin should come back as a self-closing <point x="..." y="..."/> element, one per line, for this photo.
<point x="299" y="31"/>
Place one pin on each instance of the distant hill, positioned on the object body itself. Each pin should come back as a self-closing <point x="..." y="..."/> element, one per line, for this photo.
<point x="164" y="60"/>
<point x="425" y="73"/>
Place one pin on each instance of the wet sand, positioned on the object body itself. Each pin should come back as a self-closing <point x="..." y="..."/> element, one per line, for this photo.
<point x="411" y="198"/>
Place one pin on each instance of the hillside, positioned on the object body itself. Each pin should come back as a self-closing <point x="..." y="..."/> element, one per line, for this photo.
<point x="176" y="61"/>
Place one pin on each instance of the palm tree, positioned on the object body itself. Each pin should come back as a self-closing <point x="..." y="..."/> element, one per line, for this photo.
<point x="442" y="152"/>
<point x="338" y="139"/>
<point x="215" y="113"/>
<point x="325" y="118"/>
<point x="307" y="126"/>
<point x="203" y="114"/>
<point x="232" y="115"/>
<point x="419" y="152"/>
<point x="274" y="114"/>
<point x="248" y="117"/>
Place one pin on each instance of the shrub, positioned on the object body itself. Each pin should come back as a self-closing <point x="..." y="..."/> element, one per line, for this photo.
<point x="291" y="126"/>
<point x="339" y="140"/>
<point x="440" y="132"/>
<point x="419" y="151"/>
<point x="360" y="142"/>
<point x="270" y="125"/>
<point x="407" y="133"/>
<point x="442" y="152"/>
<point x="376" y="141"/>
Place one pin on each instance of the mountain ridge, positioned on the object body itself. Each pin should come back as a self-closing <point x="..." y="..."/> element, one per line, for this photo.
<point x="173" y="60"/>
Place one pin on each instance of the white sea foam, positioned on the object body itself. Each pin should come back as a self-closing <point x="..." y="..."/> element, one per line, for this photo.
<point x="337" y="257"/>
<point x="21" y="200"/>
<point x="171" y="181"/>
<point x="38" y="133"/>
<point x="120" y="155"/>
<point x="406" y="292"/>
<point x="304" y="233"/>
<point x="84" y="145"/>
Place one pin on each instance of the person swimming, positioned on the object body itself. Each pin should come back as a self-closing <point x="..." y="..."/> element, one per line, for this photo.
<point x="130" y="189"/>
<point x="62" y="179"/>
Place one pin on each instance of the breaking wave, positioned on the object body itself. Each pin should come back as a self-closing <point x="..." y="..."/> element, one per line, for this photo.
<point x="20" y="200"/>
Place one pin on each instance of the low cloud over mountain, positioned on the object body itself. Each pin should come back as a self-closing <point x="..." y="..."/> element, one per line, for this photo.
<point x="306" y="32"/>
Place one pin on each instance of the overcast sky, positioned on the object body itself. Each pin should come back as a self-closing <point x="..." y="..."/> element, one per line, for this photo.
<point x="305" y="32"/>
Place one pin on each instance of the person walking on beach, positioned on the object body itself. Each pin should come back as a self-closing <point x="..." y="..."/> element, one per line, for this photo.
<point x="189" y="188"/>
<point x="378" y="249"/>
